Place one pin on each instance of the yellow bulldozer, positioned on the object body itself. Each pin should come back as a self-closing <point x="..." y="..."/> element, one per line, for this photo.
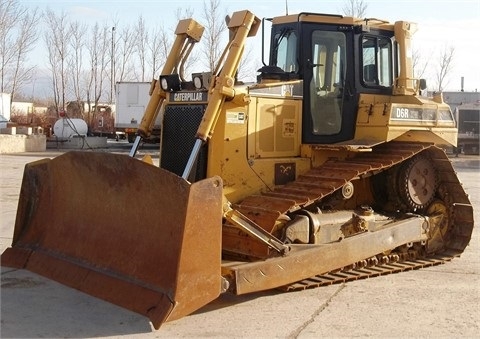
<point x="330" y="167"/>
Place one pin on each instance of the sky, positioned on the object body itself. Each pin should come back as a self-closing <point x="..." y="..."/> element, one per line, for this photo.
<point x="441" y="24"/>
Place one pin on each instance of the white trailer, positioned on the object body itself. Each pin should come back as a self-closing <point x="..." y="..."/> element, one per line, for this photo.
<point x="5" y="105"/>
<point x="131" y="101"/>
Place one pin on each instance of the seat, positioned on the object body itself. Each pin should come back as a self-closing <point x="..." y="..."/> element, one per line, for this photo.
<point x="370" y="74"/>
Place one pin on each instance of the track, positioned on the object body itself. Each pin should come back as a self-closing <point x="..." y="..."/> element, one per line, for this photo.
<point x="367" y="272"/>
<point x="322" y="181"/>
<point x="454" y="233"/>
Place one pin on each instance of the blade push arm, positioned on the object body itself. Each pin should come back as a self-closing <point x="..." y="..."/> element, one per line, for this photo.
<point x="188" y="33"/>
<point x="243" y="24"/>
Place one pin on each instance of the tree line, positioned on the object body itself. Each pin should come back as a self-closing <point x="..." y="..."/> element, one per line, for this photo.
<point x="84" y="62"/>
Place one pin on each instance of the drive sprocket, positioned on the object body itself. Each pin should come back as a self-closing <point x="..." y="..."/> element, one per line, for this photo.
<point x="417" y="183"/>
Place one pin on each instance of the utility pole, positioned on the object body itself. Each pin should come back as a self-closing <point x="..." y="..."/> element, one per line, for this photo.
<point x="112" y="66"/>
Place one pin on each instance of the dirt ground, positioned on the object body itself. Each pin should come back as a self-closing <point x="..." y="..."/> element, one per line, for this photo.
<point x="440" y="301"/>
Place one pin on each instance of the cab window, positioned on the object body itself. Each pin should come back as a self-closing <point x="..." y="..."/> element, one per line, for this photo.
<point x="377" y="61"/>
<point x="285" y="45"/>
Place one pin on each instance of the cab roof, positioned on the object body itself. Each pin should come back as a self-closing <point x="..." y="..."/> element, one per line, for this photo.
<point x="332" y="19"/>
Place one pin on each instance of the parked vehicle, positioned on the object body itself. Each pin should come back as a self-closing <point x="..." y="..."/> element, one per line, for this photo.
<point x="131" y="101"/>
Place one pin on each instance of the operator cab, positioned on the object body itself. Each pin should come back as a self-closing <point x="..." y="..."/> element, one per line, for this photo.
<point x="337" y="58"/>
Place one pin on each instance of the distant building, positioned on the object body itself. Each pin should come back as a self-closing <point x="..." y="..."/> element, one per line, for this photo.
<point x="466" y="107"/>
<point x="22" y="108"/>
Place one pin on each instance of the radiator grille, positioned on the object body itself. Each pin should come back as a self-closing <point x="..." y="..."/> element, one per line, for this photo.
<point x="180" y="124"/>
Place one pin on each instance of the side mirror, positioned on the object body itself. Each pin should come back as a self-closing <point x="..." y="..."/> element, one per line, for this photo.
<point x="423" y="84"/>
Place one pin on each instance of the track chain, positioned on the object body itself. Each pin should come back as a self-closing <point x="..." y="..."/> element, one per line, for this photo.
<point x="320" y="182"/>
<point x="351" y="274"/>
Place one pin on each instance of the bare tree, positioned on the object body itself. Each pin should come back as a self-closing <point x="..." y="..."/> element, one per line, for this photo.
<point x="125" y="47"/>
<point x="183" y="13"/>
<point x="57" y="38"/>
<point x="17" y="38"/>
<point x="247" y="66"/>
<point x="98" y="51"/>
<point x="9" y="14"/>
<point x="81" y="59"/>
<point x="214" y="27"/>
<point x="444" y="66"/>
<point x="355" y="8"/>
<point x="418" y="64"/>
<point x="75" y="60"/>
<point x="141" y="43"/>
<point x="158" y="48"/>
<point x="27" y="36"/>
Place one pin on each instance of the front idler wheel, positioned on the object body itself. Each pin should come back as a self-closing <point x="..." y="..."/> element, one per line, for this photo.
<point x="439" y="219"/>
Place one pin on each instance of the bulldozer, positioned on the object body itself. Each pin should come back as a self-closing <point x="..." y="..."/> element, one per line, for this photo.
<point x="330" y="167"/>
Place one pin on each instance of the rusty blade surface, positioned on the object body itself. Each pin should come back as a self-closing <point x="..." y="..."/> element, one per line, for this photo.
<point x="121" y="230"/>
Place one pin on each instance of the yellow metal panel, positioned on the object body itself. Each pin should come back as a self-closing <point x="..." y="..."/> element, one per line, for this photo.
<point x="227" y="155"/>
<point x="413" y="118"/>
<point x="276" y="129"/>
<point x="190" y="27"/>
<point x="239" y="18"/>
<point x="232" y="155"/>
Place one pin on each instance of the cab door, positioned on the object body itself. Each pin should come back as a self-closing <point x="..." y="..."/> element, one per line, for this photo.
<point x="329" y="109"/>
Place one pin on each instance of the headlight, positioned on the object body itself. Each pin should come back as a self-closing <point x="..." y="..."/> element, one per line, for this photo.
<point x="164" y="84"/>
<point x="197" y="82"/>
<point x="201" y="80"/>
<point x="170" y="82"/>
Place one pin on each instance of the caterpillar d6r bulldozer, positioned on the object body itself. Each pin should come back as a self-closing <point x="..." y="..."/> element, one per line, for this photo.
<point x="330" y="167"/>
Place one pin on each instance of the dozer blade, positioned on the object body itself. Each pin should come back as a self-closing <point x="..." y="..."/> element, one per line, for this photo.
<point x="121" y="230"/>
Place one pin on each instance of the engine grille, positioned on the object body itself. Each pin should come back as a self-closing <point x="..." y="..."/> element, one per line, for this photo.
<point x="180" y="124"/>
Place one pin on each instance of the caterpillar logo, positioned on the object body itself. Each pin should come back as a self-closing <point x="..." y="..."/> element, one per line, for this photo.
<point x="188" y="96"/>
<point x="284" y="173"/>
